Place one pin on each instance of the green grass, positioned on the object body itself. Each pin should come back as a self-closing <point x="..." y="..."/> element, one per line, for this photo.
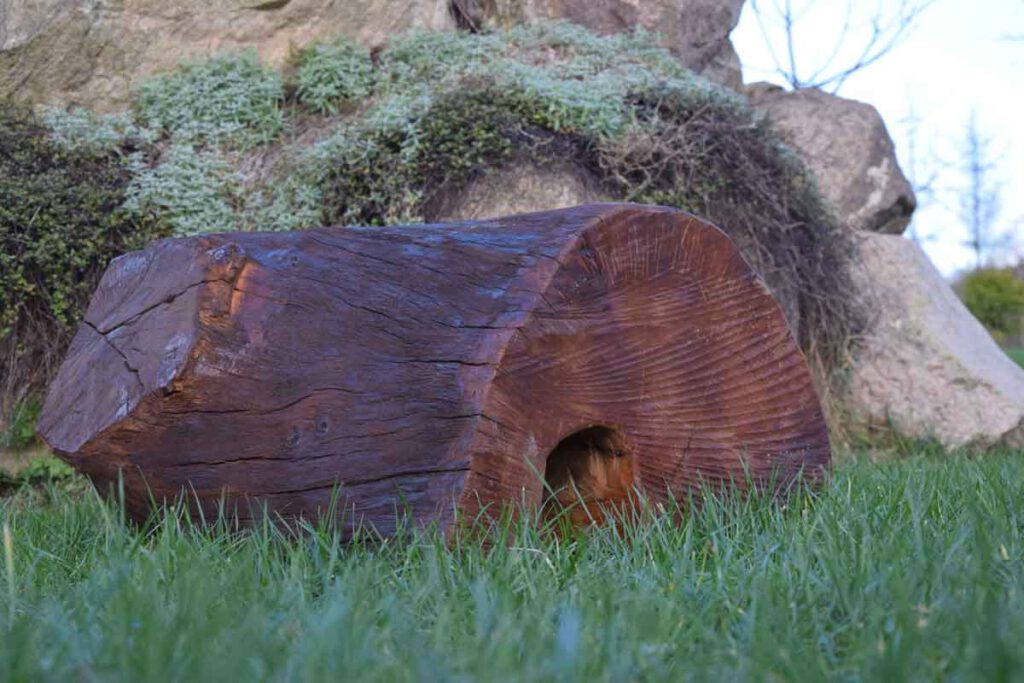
<point x="900" y="570"/>
<point x="1017" y="355"/>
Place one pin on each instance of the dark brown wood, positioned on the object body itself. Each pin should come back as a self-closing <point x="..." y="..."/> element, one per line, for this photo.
<point x="434" y="368"/>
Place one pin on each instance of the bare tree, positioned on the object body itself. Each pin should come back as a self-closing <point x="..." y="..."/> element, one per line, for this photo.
<point x="887" y="23"/>
<point x="980" y="199"/>
<point x="922" y="173"/>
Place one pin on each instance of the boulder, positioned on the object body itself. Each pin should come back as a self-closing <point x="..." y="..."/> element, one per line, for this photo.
<point x="928" y="369"/>
<point x="92" y="52"/>
<point x="696" y="31"/>
<point x="520" y="187"/>
<point x="846" y="145"/>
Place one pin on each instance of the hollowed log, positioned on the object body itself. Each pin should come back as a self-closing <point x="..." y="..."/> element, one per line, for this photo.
<point x="428" y="370"/>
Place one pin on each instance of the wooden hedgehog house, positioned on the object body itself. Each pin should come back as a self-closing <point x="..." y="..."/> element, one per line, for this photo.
<point x="435" y="369"/>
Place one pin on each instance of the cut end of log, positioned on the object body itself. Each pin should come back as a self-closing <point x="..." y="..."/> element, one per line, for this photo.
<point x="438" y="368"/>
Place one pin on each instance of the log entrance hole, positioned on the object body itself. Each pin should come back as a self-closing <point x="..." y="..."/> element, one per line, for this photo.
<point x="589" y="475"/>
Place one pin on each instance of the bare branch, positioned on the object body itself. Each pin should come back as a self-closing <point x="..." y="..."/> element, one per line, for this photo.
<point x="787" y="74"/>
<point x="839" y="42"/>
<point x="981" y="199"/>
<point x="887" y="30"/>
<point x="787" y="19"/>
<point x="923" y="180"/>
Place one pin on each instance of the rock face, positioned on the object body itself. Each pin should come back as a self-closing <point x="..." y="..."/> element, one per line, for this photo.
<point x="928" y="368"/>
<point x="849" y="149"/>
<point x="696" y="31"/>
<point x="91" y="52"/>
<point x="520" y="188"/>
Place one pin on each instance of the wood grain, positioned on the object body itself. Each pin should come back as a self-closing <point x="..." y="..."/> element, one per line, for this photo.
<point x="433" y="367"/>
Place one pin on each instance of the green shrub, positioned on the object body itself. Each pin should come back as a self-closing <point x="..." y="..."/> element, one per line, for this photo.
<point x="385" y="169"/>
<point x="333" y="74"/>
<point x="455" y="104"/>
<point x="557" y="50"/>
<point x="996" y="297"/>
<point x="228" y="98"/>
<point x="61" y="221"/>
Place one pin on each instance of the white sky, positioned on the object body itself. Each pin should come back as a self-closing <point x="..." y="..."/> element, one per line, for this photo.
<point x="957" y="58"/>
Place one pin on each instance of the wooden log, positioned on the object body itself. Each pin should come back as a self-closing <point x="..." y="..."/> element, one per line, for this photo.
<point x="435" y="368"/>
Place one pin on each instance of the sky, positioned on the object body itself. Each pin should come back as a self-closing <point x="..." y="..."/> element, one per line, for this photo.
<point x="958" y="57"/>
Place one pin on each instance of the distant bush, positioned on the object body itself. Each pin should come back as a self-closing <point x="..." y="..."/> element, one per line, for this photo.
<point x="228" y="98"/>
<point x="996" y="298"/>
<point x="333" y="74"/>
<point x="61" y="221"/>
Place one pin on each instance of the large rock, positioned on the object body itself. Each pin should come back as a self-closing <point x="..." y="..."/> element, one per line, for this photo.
<point x="91" y="52"/>
<point x="521" y="187"/>
<point x="696" y="31"/>
<point x="928" y="369"/>
<point x="848" y="148"/>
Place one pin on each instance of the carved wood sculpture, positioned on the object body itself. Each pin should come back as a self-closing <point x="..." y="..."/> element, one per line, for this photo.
<point x="435" y="367"/>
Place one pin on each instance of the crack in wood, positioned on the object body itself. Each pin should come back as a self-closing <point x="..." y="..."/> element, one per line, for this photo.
<point x="267" y="411"/>
<point x="163" y="302"/>
<point x="135" y="373"/>
<point x="342" y="484"/>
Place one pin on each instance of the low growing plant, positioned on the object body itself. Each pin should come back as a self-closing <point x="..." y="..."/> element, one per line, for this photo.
<point x="228" y="98"/>
<point x="330" y="75"/>
<point x="79" y="128"/>
<point x="194" y="191"/>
